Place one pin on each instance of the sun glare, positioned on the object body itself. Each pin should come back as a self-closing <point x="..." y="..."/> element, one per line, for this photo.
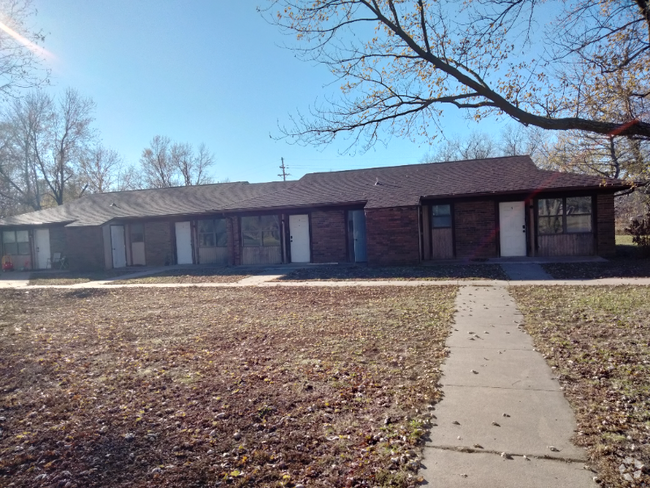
<point x="35" y="48"/>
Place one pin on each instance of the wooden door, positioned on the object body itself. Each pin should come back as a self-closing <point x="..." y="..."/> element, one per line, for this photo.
<point x="299" y="237"/>
<point x="183" y="243"/>
<point x="42" y="248"/>
<point x="358" y="218"/>
<point x="118" y="246"/>
<point x="512" y="228"/>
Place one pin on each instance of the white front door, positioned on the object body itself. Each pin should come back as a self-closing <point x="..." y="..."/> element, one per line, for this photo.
<point x="118" y="246"/>
<point x="359" y="236"/>
<point x="183" y="243"/>
<point x="42" y="246"/>
<point x="512" y="222"/>
<point x="299" y="230"/>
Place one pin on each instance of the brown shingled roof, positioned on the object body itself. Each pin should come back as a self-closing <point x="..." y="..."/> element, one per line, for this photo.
<point x="393" y="186"/>
<point x="99" y="208"/>
<point x="405" y="185"/>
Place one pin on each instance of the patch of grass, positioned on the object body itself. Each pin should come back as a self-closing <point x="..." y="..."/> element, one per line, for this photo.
<point x="210" y="274"/>
<point x="429" y="272"/>
<point x="45" y="278"/>
<point x="624" y="240"/>
<point x="240" y="386"/>
<point x="598" y="339"/>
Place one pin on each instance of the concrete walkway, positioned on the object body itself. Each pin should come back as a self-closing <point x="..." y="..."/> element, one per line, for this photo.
<point x="501" y="403"/>
<point x="525" y="271"/>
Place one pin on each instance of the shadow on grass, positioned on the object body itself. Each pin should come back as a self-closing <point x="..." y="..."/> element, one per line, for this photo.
<point x="72" y="277"/>
<point x="203" y="274"/>
<point x="435" y="272"/>
<point x="630" y="261"/>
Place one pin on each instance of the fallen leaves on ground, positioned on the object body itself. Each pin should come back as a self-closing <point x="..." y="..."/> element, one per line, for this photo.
<point x="428" y="272"/>
<point x="615" y="268"/>
<point x="218" y="387"/>
<point x="597" y="339"/>
<point x="55" y="277"/>
<point x="202" y="274"/>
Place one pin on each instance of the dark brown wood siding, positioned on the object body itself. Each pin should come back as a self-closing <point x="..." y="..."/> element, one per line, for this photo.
<point x="565" y="245"/>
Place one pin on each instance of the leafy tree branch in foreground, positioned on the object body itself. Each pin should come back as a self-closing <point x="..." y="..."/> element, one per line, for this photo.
<point x="585" y="67"/>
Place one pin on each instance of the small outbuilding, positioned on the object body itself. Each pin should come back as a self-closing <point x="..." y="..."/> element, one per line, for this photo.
<point x="473" y="209"/>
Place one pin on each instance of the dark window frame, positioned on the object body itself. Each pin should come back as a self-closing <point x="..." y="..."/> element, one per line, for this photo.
<point x="136" y="232"/>
<point x="566" y="212"/>
<point x="218" y="235"/>
<point x="265" y="233"/>
<point x="444" y="218"/>
<point x="18" y="246"/>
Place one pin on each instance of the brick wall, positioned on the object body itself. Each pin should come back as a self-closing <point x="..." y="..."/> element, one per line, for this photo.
<point x="475" y="225"/>
<point x="84" y="248"/>
<point x="234" y="241"/>
<point x="58" y="241"/>
<point x="328" y="237"/>
<point x="605" y="225"/>
<point x="392" y="236"/>
<point x="158" y="245"/>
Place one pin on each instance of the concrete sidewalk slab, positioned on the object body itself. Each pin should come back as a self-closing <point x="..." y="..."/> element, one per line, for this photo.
<point x="480" y="470"/>
<point x="536" y="420"/>
<point x="525" y="271"/>
<point x="500" y="396"/>
<point x="513" y="368"/>
<point x="14" y="279"/>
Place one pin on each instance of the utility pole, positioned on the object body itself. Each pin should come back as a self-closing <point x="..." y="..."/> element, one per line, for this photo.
<point x="284" y="169"/>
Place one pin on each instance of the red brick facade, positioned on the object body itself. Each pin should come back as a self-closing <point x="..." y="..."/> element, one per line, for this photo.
<point x="605" y="225"/>
<point x="328" y="236"/>
<point x="475" y="224"/>
<point x="85" y="248"/>
<point x="158" y="245"/>
<point x="393" y="236"/>
<point x="234" y="241"/>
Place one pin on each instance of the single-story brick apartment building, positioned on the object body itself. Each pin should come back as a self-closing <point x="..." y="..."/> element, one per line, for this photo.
<point x="392" y="215"/>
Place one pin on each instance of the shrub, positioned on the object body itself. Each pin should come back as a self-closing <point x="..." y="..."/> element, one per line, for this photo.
<point x="639" y="229"/>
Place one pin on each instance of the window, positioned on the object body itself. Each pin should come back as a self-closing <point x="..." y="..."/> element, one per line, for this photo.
<point x="137" y="233"/>
<point x="441" y="216"/>
<point x="213" y="233"/>
<point x="260" y="231"/>
<point x="570" y="215"/>
<point x="16" y="242"/>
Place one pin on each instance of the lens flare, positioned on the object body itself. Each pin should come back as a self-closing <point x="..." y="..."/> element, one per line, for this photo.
<point x="35" y="48"/>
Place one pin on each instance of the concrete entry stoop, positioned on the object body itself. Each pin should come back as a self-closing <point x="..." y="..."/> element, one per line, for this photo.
<point x="501" y="403"/>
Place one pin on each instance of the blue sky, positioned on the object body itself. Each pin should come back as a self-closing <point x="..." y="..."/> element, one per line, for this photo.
<point x="209" y="71"/>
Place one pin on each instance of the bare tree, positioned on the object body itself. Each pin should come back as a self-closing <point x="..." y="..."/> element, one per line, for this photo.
<point x="43" y="141"/>
<point x="20" y="50"/>
<point x="477" y="145"/>
<point x="69" y="138"/>
<point x="165" y="164"/>
<point x="25" y="123"/>
<point x="157" y="168"/>
<point x="401" y="62"/>
<point x="99" y="169"/>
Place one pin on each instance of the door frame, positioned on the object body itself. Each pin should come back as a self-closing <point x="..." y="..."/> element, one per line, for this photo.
<point x="304" y="247"/>
<point x="121" y="245"/>
<point x="357" y="237"/>
<point x="37" y="247"/>
<point x="191" y="247"/>
<point x="525" y="230"/>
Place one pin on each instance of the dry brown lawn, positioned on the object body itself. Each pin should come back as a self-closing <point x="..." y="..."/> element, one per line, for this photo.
<point x="598" y="341"/>
<point x="196" y="275"/>
<point x="430" y="272"/>
<point x="218" y="387"/>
